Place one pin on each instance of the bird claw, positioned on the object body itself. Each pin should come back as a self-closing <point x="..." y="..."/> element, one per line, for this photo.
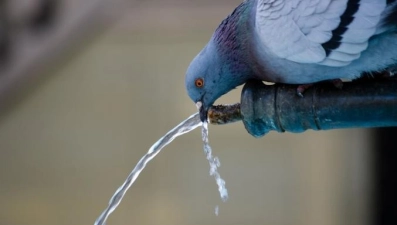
<point x="338" y="83"/>
<point x="302" y="88"/>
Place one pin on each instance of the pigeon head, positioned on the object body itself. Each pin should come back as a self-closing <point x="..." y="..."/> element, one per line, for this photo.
<point x="211" y="74"/>
<point x="223" y="64"/>
<point x="206" y="79"/>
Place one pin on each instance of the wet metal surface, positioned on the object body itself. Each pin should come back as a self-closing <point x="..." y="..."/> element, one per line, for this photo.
<point x="224" y="114"/>
<point x="359" y="104"/>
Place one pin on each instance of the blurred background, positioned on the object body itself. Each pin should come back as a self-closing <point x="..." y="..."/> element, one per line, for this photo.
<point x="87" y="86"/>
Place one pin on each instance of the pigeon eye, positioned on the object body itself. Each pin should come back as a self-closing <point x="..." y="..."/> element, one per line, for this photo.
<point x="199" y="82"/>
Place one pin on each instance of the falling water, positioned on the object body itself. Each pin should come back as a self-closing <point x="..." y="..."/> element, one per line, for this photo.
<point x="214" y="164"/>
<point x="188" y="125"/>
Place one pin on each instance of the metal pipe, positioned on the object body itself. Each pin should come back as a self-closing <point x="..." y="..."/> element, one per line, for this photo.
<point x="224" y="114"/>
<point x="371" y="103"/>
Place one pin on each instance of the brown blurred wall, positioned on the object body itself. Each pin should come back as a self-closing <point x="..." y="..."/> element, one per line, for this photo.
<point x="73" y="139"/>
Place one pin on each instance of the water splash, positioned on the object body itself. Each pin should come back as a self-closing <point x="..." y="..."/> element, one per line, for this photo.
<point x="188" y="125"/>
<point x="214" y="165"/>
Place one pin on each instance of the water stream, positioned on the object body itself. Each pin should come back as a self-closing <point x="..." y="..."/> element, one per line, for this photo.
<point x="214" y="164"/>
<point x="188" y="125"/>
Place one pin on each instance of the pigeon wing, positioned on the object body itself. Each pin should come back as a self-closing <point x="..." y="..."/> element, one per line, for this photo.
<point x="325" y="32"/>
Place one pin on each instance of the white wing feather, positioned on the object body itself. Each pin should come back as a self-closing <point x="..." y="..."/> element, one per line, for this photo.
<point x="296" y="29"/>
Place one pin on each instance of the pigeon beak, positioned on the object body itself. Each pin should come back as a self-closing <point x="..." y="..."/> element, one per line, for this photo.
<point x="202" y="111"/>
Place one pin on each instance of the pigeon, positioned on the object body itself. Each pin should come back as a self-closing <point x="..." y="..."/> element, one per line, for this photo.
<point x="294" y="42"/>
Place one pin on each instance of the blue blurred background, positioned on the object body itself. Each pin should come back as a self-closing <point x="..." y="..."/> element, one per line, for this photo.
<point x="87" y="86"/>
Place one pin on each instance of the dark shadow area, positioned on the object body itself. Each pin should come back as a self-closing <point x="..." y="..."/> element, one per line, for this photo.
<point x="385" y="152"/>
